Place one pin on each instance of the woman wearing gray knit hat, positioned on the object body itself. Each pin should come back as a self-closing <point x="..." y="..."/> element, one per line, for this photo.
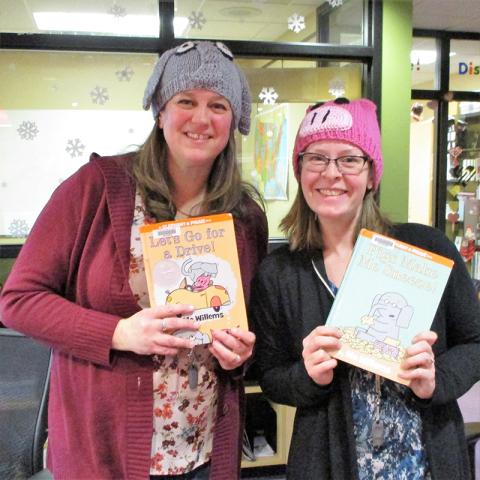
<point x="121" y="404"/>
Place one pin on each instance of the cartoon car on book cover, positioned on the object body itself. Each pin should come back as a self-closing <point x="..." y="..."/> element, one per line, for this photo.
<point x="214" y="296"/>
<point x="201" y="293"/>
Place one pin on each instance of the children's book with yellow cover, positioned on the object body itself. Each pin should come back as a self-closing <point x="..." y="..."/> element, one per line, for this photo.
<point x="389" y="293"/>
<point x="194" y="261"/>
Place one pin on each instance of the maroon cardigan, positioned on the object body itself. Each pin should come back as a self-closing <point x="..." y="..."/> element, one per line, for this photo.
<point x="69" y="288"/>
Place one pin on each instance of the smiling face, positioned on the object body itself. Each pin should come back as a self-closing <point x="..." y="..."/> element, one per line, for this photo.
<point x="332" y="196"/>
<point x="196" y="125"/>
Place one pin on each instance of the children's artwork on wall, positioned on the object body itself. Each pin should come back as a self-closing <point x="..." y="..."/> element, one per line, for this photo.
<point x="270" y="173"/>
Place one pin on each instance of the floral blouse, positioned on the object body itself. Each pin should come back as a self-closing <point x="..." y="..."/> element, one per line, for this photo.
<point x="183" y="418"/>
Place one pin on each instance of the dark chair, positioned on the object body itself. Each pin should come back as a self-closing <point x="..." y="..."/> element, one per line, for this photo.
<point x="472" y="432"/>
<point x="24" y="378"/>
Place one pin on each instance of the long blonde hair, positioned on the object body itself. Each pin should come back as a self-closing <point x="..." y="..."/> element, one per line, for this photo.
<point x="303" y="229"/>
<point x="226" y="191"/>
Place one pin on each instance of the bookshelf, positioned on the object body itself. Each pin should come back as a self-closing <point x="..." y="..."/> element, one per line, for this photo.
<point x="276" y="424"/>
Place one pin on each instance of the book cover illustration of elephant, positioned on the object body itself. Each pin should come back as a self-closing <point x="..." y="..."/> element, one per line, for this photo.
<point x="206" y="282"/>
<point x="379" y="334"/>
<point x="390" y="292"/>
<point x="194" y="261"/>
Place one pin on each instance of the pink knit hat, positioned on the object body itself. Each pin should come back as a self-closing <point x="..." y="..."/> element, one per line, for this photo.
<point x="353" y="121"/>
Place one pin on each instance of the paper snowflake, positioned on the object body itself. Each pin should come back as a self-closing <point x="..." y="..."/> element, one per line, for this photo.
<point x="197" y="20"/>
<point x="336" y="88"/>
<point x="117" y="11"/>
<point x="27" y="130"/>
<point x="335" y="3"/>
<point x="268" y="95"/>
<point x="75" y="148"/>
<point x="125" y="74"/>
<point x="296" y="23"/>
<point x="18" y="228"/>
<point x="99" y="95"/>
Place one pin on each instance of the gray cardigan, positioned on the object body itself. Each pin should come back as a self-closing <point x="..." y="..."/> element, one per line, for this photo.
<point x="289" y="300"/>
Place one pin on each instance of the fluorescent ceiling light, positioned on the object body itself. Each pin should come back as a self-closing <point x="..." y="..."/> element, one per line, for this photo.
<point x="105" y="23"/>
<point x="423" y="57"/>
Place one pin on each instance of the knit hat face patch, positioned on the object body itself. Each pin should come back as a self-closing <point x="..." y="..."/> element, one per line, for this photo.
<point x="354" y="122"/>
<point x="200" y="65"/>
<point x="324" y="119"/>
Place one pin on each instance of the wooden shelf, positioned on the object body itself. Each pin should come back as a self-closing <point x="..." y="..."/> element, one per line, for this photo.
<point x="284" y="426"/>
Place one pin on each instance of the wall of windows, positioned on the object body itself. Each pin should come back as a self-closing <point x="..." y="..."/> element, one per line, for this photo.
<point x="73" y="79"/>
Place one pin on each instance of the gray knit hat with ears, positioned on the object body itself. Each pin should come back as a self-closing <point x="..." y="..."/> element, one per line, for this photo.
<point x="200" y="65"/>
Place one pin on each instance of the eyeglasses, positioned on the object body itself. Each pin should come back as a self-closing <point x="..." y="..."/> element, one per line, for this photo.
<point x="346" y="165"/>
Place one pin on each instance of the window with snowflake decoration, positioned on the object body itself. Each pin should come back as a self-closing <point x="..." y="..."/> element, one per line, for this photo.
<point x="261" y="20"/>
<point x="88" y="102"/>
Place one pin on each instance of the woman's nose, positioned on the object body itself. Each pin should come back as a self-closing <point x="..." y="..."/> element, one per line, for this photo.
<point x="200" y="114"/>
<point x="332" y="170"/>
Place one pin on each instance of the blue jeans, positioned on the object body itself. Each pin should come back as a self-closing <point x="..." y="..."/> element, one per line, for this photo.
<point x="200" y="473"/>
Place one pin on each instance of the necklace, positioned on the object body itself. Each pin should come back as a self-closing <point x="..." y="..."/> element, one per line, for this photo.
<point x="184" y="213"/>
<point x="192" y="211"/>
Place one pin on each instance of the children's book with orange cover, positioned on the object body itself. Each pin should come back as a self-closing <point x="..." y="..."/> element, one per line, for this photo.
<point x="390" y="292"/>
<point x="194" y="261"/>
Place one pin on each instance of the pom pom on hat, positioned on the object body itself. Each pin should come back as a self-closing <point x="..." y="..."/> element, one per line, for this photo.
<point x="200" y="64"/>
<point x="353" y="121"/>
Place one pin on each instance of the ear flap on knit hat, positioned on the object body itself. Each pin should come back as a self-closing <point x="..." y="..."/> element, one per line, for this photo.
<point x="244" y="121"/>
<point x="154" y="81"/>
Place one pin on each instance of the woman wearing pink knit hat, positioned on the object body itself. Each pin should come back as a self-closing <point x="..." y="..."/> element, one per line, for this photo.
<point x="338" y="163"/>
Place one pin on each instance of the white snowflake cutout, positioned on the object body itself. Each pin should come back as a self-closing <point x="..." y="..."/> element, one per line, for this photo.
<point x="197" y="20"/>
<point x="18" y="228"/>
<point x="27" y="130"/>
<point x="99" y="95"/>
<point x="125" y="74"/>
<point x="336" y="88"/>
<point x="75" y="148"/>
<point x="268" y="95"/>
<point x="296" y="23"/>
<point x="117" y="11"/>
<point x="335" y="3"/>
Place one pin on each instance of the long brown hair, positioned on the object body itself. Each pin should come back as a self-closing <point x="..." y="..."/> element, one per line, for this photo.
<point x="303" y="229"/>
<point x="226" y="191"/>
